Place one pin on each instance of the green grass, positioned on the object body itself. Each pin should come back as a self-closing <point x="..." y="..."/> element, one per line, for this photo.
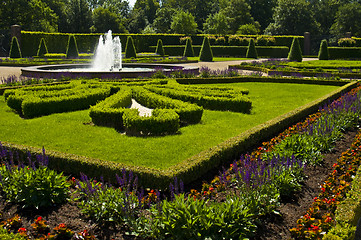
<point x="326" y="64"/>
<point x="72" y="133"/>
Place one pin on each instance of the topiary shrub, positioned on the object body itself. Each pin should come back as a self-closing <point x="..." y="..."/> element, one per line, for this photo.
<point x="42" y="50"/>
<point x="160" y="49"/>
<point x="251" y="50"/>
<point x="206" y="54"/>
<point x="72" y="49"/>
<point x="130" y="51"/>
<point x="188" y="50"/>
<point x="323" y="52"/>
<point x="346" y="42"/>
<point x="295" y="53"/>
<point x="15" y="51"/>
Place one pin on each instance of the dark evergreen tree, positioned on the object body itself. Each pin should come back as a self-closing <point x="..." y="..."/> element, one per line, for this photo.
<point x="42" y="50"/>
<point x="188" y="50"/>
<point x="295" y="53"/>
<point x="15" y="51"/>
<point x="160" y="49"/>
<point x="323" y="52"/>
<point x="72" y="49"/>
<point x="206" y="54"/>
<point x="251" y="50"/>
<point x="130" y="51"/>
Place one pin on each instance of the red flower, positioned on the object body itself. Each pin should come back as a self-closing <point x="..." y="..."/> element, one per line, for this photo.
<point x="22" y="230"/>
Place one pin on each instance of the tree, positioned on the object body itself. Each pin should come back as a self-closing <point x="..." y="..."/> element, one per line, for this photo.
<point x="217" y="24"/>
<point x="15" y="51"/>
<point x="293" y="17"/>
<point x="72" y="49"/>
<point x="251" y="50"/>
<point x="163" y="19"/>
<point x="248" y="29"/>
<point x="206" y="54"/>
<point x="348" y="20"/>
<point x="323" y="52"/>
<point x="325" y="13"/>
<point x="105" y="20"/>
<point x="79" y="16"/>
<point x="149" y="8"/>
<point x="42" y="50"/>
<point x="262" y="11"/>
<point x="130" y="51"/>
<point x="137" y="21"/>
<point x="239" y="13"/>
<point x="183" y="22"/>
<point x="32" y="15"/>
<point x="295" y="53"/>
<point x="188" y="50"/>
<point x="160" y="50"/>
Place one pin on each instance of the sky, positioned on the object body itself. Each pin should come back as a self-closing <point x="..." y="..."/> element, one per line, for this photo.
<point x="131" y="2"/>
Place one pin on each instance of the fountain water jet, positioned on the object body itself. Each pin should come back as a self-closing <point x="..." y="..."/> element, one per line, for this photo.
<point x="107" y="63"/>
<point x="108" y="54"/>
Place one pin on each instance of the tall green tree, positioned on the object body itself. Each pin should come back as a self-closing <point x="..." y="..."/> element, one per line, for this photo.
<point x="293" y="17"/>
<point x="33" y="15"/>
<point x="348" y="20"/>
<point x="239" y="13"/>
<point x="149" y="8"/>
<point x="262" y="11"/>
<point x="79" y="16"/>
<point x="183" y="22"/>
<point x="163" y="19"/>
<point x="217" y="24"/>
<point x="105" y="20"/>
<point x="325" y="13"/>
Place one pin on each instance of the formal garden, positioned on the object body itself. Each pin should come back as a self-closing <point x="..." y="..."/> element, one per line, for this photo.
<point x="223" y="154"/>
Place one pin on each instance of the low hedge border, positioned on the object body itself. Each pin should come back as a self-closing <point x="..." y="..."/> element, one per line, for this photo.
<point x="221" y="103"/>
<point x="188" y="113"/>
<point x="190" y="169"/>
<point x="274" y="79"/>
<point x="344" y="52"/>
<point x="348" y="213"/>
<point x="233" y="51"/>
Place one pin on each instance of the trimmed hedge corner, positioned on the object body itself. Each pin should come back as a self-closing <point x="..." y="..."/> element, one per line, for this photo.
<point x="15" y="51"/>
<point x="130" y="51"/>
<point x="206" y="54"/>
<point x="72" y="49"/>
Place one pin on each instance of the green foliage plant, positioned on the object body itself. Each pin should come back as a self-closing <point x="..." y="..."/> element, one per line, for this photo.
<point x="42" y="50"/>
<point x="346" y="42"/>
<point x="251" y="50"/>
<point x="206" y="54"/>
<point x="33" y="187"/>
<point x="15" y="51"/>
<point x="130" y="51"/>
<point x="72" y="48"/>
<point x="188" y="50"/>
<point x="295" y="53"/>
<point x="160" y="49"/>
<point x="323" y="52"/>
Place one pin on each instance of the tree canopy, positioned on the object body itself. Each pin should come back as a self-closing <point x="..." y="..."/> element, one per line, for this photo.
<point x="320" y="17"/>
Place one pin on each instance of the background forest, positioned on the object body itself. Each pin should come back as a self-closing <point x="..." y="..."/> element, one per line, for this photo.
<point x="275" y="17"/>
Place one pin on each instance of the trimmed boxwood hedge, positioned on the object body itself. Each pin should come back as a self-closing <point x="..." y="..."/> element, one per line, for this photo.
<point x="216" y="101"/>
<point x="231" y="51"/>
<point x="188" y="113"/>
<point x="344" y="52"/>
<point x="190" y="169"/>
<point x="57" y="42"/>
<point x="162" y="122"/>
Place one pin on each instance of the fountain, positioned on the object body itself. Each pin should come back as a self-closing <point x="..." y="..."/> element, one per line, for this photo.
<point x="107" y="63"/>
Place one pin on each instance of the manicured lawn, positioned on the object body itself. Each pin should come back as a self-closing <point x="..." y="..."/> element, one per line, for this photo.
<point x="220" y="59"/>
<point x="72" y="133"/>
<point x="326" y="64"/>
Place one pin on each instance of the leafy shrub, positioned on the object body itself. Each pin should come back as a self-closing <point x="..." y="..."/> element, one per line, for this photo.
<point x="220" y="41"/>
<point x="251" y="50"/>
<point x="130" y="51"/>
<point x="72" y="49"/>
<point x="5" y="235"/>
<point x="236" y="40"/>
<point x="323" y="52"/>
<point x="160" y="50"/>
<point x="346" y="42"/>
<point x="42" y="50"/>
<point x="15" y="51"/>
<point x="265" y="41"/>
<point x="162" y="121"/>
<point x="202" y="219"/>
<point x="248" y="29"/>
<point x="33" y="187"/>
<point x="206" y="54"/>
<point x="188" y="50"/>
<point x="295" y="53"/>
